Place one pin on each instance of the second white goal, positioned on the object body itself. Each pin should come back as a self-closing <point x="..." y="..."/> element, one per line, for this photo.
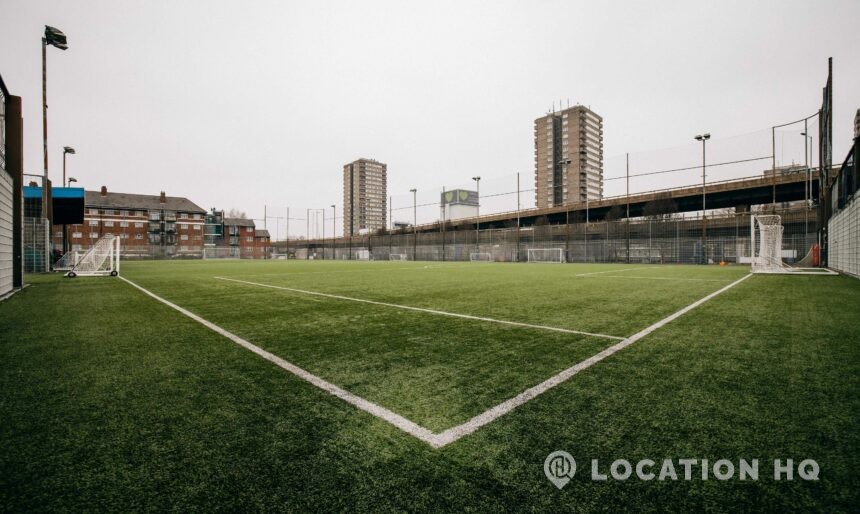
<point x="551" y="255"/>
<point x="480" y="257"/>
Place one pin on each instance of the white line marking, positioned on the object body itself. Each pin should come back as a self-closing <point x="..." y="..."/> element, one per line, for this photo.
<point x="349" y="271"/>
<point x="613" y="271"/>
<point x="665" y="278"/>
<point x="452" y="434"/>
<point x="380" y="412"/>
<point x="419" y="309"/>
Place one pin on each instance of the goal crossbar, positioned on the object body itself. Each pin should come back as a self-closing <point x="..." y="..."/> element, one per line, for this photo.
<point x="480" y="257"/>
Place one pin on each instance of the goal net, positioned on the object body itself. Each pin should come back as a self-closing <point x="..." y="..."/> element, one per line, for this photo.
<point x="546" y="255"/>
<point x="68" y="261"/>
<point x="101" y="259"/>
<point x="363" y="255"/>
<point x="397" y="257"/>
<point x="766" y="248"/>
<point x="480" y="257"/>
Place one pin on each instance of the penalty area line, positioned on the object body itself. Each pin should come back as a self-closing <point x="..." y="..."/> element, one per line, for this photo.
<point x="612" y="271"/>
<point x="380" y="412"/>
<point x="454" y="433"/>
<point x="421" y="309"/>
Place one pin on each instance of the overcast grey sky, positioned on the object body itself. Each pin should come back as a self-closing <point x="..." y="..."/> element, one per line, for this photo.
<point x="241" y="104"/>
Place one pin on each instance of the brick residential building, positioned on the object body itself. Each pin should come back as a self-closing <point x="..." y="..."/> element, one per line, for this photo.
<point x="148" y="225"/>
<point x="568" y="157"/>
<point x="365" y="202"/>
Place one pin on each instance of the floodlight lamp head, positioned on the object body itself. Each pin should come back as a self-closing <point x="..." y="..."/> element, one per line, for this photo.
<point x="413" y="190"/>
<point x="68" y="149"/>
<point x="55" y="38"/>
<point x="707" y="136"/>
<point x="72" y="179"/>
<point x="698" y="138"/>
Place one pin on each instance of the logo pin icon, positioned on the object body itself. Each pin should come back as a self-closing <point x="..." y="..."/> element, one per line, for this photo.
<point x="559" y="468"/>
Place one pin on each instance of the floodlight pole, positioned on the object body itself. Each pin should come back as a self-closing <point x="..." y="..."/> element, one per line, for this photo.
<point x="444" y="216"/>
<point x="414" y="222"/>
<point x="66" y="150"/>
<point x="704" y="139"/>
<point x="477" y="180"/>
<point x="57" y="40"/>
<point x="45" y="126"/>
<point x="627" y="193"/>
<point x="323" y="233"/>
<point x="287" y="239"/>
<point x="518" y="216"/>
<point x="807" y="184"/>
<point x="333" y="230"/>
<point x="308" y="236"/>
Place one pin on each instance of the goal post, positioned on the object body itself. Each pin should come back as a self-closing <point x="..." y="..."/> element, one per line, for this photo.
<point x="101" y="259"/>
<point x="550" y="255"/>
<point x="766" y="248"/>
<point x="398" y="257"/>
<point x="480" y="257"/>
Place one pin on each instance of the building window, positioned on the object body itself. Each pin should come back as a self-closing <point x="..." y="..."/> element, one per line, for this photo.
<point x="123" y="224"/>
<point x="108" y="212"/>
<point x="108" y="223"/>
<point x="250" y="239"/>
<point x="138" y="236"/>
<point x="94" y="211"/>
<point x="183" y="226"/>
<point x="138" y="224"/>
<point x="123" y="213"/>
<point x="94" y="223"/>
<point x="76" y="235"/>
<point x="94" y="235"/>
<point x="184" y="237"/>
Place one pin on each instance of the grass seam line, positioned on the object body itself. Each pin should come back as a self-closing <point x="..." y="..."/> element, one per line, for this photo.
<point x="421" y="309"/>
<point x="380" y="412"/>
<point x="455" y="433"/>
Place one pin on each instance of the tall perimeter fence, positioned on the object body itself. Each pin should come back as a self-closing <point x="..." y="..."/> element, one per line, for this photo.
<point x="664" y="239"/>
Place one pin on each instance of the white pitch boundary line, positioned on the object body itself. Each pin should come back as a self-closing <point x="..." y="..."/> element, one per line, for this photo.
<point x="395" y="419"/>
<point x="452" y="434"/>
<point x="613" y="271"/>
<point x="420" y="309"/>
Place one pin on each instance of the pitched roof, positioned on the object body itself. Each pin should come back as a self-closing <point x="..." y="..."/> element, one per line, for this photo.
<point x="134" y="201"/>
<point x="261" y="232"/>
<point x="241" y="222"/>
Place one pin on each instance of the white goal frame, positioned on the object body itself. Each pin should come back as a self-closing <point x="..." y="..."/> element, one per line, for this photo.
<point x="766" y="248"/>
<point x="100" y="260"/>
<point x="398" y="257"/>
<point x="546" y="255"/>
<point x="480" y="257"/>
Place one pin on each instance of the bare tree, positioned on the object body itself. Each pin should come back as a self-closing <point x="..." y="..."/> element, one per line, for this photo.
<point x="236" y="213"/>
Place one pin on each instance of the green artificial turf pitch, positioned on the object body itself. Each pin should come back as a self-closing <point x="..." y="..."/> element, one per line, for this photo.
<point x="114" y="401"/>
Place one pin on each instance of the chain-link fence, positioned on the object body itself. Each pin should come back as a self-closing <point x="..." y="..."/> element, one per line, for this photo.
<point x="37" y="245"/>
<point x="682" y="240"/>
